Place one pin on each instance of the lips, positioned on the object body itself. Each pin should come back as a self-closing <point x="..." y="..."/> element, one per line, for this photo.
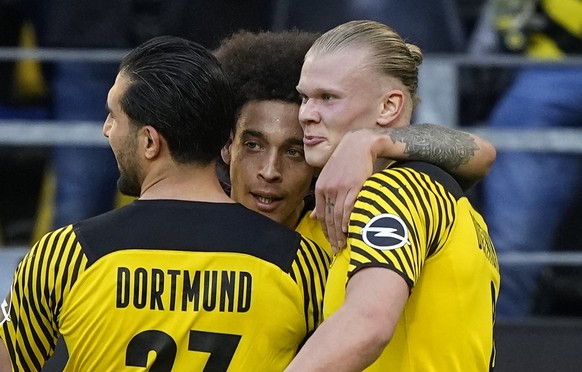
<point x="312" y="140"/>
<point x="266" y="202"/>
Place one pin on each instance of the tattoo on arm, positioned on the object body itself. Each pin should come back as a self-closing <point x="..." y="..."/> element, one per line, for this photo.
<point x="439" y="145"/>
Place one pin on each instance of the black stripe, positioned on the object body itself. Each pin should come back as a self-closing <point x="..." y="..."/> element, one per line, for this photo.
<point x="8" y="341"/>
<point x="305" y="290"/>
<point x="428" y="216"/>
<point x="313" y="289"/>
<point x="385" y="266"/>
<point x="29" y="351"/>
<point x="436" y="174"/>
<point x="34" y="302"/>
<point x="445" y="204"/>
<point x="410" y="187"/>
<point x="69" y="245"/>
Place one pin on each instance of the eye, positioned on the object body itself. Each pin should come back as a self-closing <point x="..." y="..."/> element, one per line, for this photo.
<point x="295" y="152"/>
<point x="251" y="145"/>
<point x="304" y="98"/>
<point x="326" y="97"/>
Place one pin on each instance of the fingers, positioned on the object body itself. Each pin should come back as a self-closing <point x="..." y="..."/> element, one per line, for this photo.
<point x="319" y="211"/>
<point x="338" y="210"/>
<point x="349" y="203"/>
<point x="338" y="216"/>
<point x="330" y="219"/>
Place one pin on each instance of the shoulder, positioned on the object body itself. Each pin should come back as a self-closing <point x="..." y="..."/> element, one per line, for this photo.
<point x="188" y="226"/>
<point x="418" y="173"/>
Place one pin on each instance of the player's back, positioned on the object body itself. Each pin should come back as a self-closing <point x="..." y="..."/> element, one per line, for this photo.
<point x="186" y="286"/>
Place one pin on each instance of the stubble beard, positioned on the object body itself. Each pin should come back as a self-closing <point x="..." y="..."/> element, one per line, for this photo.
<point x="129" y="184"/>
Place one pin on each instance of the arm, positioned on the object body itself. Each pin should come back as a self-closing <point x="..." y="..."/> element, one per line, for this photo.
<point x="5" y="365"/>
<point x="466" y="156"/>
<point x="374" y="301"/>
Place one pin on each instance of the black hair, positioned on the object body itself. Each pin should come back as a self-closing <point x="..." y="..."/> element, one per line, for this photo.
<point x="178" y="87"/>
<point x="265" y="65"/>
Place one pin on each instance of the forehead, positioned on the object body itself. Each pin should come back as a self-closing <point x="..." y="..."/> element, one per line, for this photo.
<point x="270" y="118"/>
<point x="117" y="91"/>
<point x="328" y="69"/>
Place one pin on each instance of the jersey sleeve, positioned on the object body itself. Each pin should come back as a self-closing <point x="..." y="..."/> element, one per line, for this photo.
<point x="309" y="271"/>
<point x="400" y="218"/>
<point x="41" y="283"/>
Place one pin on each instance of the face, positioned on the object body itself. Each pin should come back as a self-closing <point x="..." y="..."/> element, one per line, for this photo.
<point x="267" y="165"/>
<point x="340" y="93"/>
<point x="123" y="140"/>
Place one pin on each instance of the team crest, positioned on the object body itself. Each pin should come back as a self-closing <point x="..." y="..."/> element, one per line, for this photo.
<point x="385" y="232"/>
<point x="5" y="309"/>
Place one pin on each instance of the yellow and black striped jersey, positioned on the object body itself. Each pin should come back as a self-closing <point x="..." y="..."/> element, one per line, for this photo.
<point x="167" y="285"/>
<point x="413" y="219"/>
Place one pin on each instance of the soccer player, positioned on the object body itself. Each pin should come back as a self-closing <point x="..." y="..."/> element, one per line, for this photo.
<point x="183" y="278"/>
<point x="268" y="172"/>
<point x="416" y="287"/>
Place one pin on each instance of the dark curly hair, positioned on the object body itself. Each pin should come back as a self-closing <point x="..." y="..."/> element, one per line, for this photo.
<point x="265" y="65"/>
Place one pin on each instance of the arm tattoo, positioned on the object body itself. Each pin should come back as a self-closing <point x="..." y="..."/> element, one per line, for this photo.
<point x="444" y="147"/>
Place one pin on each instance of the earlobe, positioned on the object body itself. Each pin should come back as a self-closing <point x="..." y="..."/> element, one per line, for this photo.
<point x="393" y="103"/>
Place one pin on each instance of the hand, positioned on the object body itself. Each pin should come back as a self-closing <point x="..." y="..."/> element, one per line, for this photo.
<point x="339" y="183"/>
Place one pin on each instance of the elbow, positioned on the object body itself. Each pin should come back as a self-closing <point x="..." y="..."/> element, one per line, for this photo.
<point x="377" y="344"/>
<point x="491" y="155"/>
<point x="376" y="338"/>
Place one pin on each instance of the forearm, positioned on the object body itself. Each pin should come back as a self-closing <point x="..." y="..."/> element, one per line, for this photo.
<point x="330" y="349"/>
<point x="5" y="365"/>
<point x="357" y="333"/>
<point x="466" y="156"/>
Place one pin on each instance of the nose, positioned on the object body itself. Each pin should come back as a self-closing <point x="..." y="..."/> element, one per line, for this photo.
<point x="271" y="169"/>
<point x="308" y="113"/>
<point x="106" y="127"/>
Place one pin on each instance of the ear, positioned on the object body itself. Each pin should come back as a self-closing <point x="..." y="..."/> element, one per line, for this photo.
<point x="225" y="151"/>
<point x="392" y="104"/>
<point x="152" y="141"/>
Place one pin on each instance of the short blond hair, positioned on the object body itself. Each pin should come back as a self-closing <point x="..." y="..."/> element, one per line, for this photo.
<point x="389" y="53"/>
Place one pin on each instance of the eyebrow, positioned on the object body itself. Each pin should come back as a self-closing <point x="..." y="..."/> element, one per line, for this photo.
<point x="256" y="133"/>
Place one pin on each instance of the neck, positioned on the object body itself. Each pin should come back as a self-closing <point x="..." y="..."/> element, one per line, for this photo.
<point x="184" y="182"/>
<point x="293" y="222"/>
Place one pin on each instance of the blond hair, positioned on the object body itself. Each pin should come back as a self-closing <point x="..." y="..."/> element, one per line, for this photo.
<point x="389" y="53"/>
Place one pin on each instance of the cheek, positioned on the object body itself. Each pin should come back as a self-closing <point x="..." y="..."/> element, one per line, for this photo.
<point x="353" y="113"/>
<point x="242" y="169"/>
<point x="299" y="177"/>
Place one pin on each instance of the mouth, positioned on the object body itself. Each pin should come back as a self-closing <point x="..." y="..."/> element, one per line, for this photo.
<point x="266" y="202"/>
<point x="312" y="140"/>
